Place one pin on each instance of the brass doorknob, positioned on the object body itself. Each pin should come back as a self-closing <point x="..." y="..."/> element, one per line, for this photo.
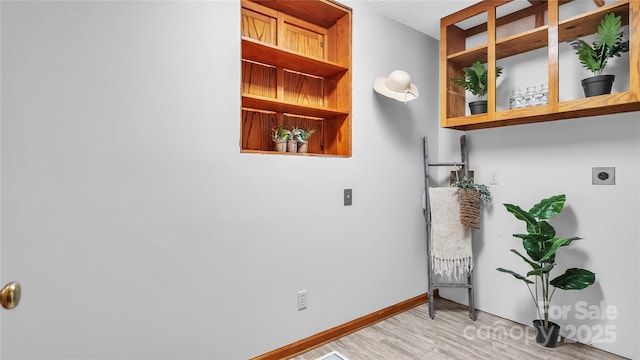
<point x="10" y="295"/>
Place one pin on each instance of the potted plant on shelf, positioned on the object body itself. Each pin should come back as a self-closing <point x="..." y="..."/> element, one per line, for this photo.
<point x="280" y="135"/>
<point x="302" y="137"/>
<point x="594" y="57"/>
<point x="470" y="197"/>
<point x="541" y="244"/>
<point x="475" y="81"/>
<point x="292" y="144"/>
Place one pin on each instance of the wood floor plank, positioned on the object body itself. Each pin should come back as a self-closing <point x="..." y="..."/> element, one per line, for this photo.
<point x="451" y="335"/>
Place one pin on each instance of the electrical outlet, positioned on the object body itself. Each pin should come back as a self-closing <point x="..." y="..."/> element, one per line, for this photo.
<point x="603" y="176"/>
<point x="493" y="177"/>
<point x="302" y="300"/>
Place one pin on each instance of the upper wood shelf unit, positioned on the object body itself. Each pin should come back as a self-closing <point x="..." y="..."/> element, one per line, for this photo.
<point x="454" y="56"/>
<point x="296" y="73"/>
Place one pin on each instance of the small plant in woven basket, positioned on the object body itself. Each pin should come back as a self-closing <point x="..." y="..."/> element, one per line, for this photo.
<point x="471" y="196"/>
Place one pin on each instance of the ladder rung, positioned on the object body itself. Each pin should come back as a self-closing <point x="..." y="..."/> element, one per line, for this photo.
<point x="451" y="285"/>
<point x="447" y="164"/>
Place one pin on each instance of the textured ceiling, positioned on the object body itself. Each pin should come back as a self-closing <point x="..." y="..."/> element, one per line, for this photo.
<point x="422" y="15"/>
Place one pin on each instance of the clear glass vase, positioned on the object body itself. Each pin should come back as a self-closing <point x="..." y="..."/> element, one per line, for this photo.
<point x="542" y="97"/>
<point x="516" y="100"/>
<point x="530" y="96"/>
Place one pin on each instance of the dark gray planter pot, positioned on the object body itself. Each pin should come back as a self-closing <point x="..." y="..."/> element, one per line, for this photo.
<point x="478" y="107"/>
<point x="547" y="337"/>
<point x="597" y="85"/>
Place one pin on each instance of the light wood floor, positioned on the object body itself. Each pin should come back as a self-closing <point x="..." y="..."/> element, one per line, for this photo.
<point x="451" y="335"/>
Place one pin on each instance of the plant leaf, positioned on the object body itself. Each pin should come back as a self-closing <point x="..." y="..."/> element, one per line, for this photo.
<point x="608" y="44"/>
<point x="549" y="207"/>
<point x="535" y="237"/>
<point x="574" y="279"/>
<point x="551" y="250"/>
<point x="532" y="263"/>
<point x="541" y="270"/>
<point x="516" y="275"/>
<point x="522" y="215"/>
<point x="571" y="239"/>
<point x="544" y="250"/>
<point x="475" y="78"/>
<point x="535" y="249"/>
<point x="609" y="31"/>
<point x="547" y="229"/>
<point x="587" y="56"/>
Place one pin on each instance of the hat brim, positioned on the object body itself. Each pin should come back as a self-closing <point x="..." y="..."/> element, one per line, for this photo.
<point x="381" y="88"/>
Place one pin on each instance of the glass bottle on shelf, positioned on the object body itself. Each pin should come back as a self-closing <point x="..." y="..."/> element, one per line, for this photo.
<point x="542" y="97"/>
<point x="516" y="99"/>
<point x="530" y="96"/>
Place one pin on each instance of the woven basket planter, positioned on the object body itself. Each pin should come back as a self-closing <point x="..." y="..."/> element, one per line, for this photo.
<point x="470" y="202"/>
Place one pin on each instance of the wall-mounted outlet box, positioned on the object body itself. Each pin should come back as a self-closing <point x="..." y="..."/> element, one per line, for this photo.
<point x="348" y="197"/>
<point x="603" y="176"/>
<point x="302" y="300"/>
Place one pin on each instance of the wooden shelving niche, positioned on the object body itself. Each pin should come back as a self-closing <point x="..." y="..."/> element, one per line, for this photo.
<point x="549" y="32"/>
<point x="296" y="72"/>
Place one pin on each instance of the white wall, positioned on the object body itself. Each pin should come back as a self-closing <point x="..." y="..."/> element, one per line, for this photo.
<point x="138" y="230"/>
<point x="540" y="160"/>
<point x="135" y="225"/>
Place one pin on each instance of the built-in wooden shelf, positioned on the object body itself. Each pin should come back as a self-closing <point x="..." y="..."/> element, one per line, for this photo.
<point x="454" y="57"/>
<point x="281" y="106"/>
<point x="288" y="154"/>
<point x="296" y="73"/>
<point x="256" y="51"/>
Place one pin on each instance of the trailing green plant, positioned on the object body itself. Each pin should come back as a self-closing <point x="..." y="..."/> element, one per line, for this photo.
<point x="483" y="190"/>
<point x="541" y="244"/>
<point x="475" y="79"/>
<point x="280" y="133"/>
<point x="607" y="45"/>
<point x="302" y="135"/>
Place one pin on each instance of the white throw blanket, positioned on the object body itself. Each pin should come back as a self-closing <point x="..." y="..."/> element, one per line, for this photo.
<point x="451" y="253"/>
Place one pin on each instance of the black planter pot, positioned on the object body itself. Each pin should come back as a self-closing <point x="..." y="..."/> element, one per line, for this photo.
<point x="547" y="337"/>
<point x="478" y="107"/>
<point x="597" y="85"/>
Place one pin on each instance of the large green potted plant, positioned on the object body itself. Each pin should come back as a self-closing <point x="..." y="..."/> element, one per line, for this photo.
<point x="594" y="57"/>
<point x="475" y="81"/>
<point x="541" y="244"/>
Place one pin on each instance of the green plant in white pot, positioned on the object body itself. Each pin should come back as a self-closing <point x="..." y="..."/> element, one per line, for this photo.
<point x="280" y="135"/>
<point x="302" y="137"/>
<point x="476" y="81"/>
<point x="292" y="143"/>
<point x="541" y="244"/>
<point x="594" y="57"/>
